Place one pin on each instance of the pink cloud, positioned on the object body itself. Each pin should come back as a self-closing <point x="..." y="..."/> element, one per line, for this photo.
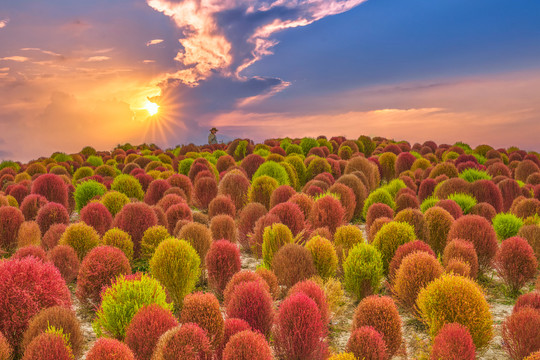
<point x="154" y="42"/>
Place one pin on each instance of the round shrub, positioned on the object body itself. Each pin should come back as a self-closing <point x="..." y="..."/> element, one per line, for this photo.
<point x="359" y="190"/>
<point x="169" y="200"/>
<point x="99" y="269"/>
<point x="223" y="227"/>
<point x="291" y="215"/>
<point x="453" y="342"/>
<point x="187" y="341"/>
<point x="525" y="207"/>
<point x="465" y="201"/>
<point x="347" y="236"/>
<point x="515" y="262"/>
<point x="247" y="345"/>
<point x="235" y="185"/>
<point x="49" y="346"/>
<point x="281" y="194"/>
<point x="520" y="333"/>
<point x="531" y="300"/>
<point x="273" y="170"/>
<point x="274" y="237"/>
<point x="155" y="191"/>
<point x="478" y="230"/>
<point x="31" y="205"/>
<point x="251" y="301"/>
<point x="240" y="277"/>
<point x="367" y="343"/>
<point x="10" y="221"/>
<point x="451" y="206"/>
<point x="462" y="250"/>
<point x="176" y="265"/>
<point x="299" y="332"/>
<point x="50" y="214"/>
<point x="251" y="163"/>
<point x="135" y="218"/>
<point x="222" y="262"/>
<point x="221" y="204"/>
<point x="363" y="270"/>
<point x="483" y="209"/>
<point x="292" y="263"/>
<point x="324" y="256"/>
<point x="271" y="280"/>
<point x="407" y="201"/>
<point x="98" y="216"/>
<point x="28" y="234"/>
<point x="204" y="191"/>
<point x="506" y="225"/>
<point x="30" y="250"/>
<point x="261" y="190"/>
<point x="198" y="236"/>
<point x="390" y="237"/>
<point x="380" y="313"/>
<point x="402" y="252"/>
<point x="452" y="298"/>
<point x="81" y="237"/>
<point x="415" y="218"/>
<point x="246" y="221"/>
<point x="231" y="326"/>
<point x="145" y="329"/>
<point x="5" y="349"/>
<point x="380" y="195"/>
<point x="203" y="309"/>
<point x="487" y="191"/>
<point x="531" y="233"/>
<point x="458" y="267"/>
<point x="66" y="261"/>
<point x="52" y="187"/>
<point x="86" y="191"/>
<point x="122" y="300"/>
<point x="327" y="212"/>
<point x="129" y="186"/>
<point x="316" y="293"/>
<point x="60" y="318"/>
<point x="105" y="348"/>
<point x="177" y="212"/>
<point x="445" y="168"/>
<point x="437" y="224"/>
<point x="304" y="201"/>
<point x="416" y="271"/>
<point x="114" y="201"/>
<point x="524" y="169"/>
<point x="376" y="211"/>
<point x="27" y="286"/>
<point x="119" y="239"/>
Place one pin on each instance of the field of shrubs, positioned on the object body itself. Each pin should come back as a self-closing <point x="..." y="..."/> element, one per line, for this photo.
<point x="294" y="249"/>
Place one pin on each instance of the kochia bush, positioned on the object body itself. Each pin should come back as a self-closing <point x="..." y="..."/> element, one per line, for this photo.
<point x="98" y="216"/>
<point x="453" y="342"/>
<point x="293" y="263"/>
<point x="367" y="343"/>
<point x="324" y="256"/>
<point x="390" y="237"/>
<point x="187" y="341"/>
<point x="222" y="262"/>
<point x="129" y="186"/>
<point x="520" y="333"/>
<point x="515" y="262"/>
<point x="247" y="345"/>
<point x="135" y="218"/>
<point x="327" y="211"/>
<point x="506" y="225"/>
<point x="10" y="221"/>
<point x="363" y="270"/>
<point x="66" y="261"/>
<point x="203" y="309"/>
<point x="105" y="348"/>
<point x="81" y="237"/>
<point x="52" y="187"/>
<point x="86" y="191"/>
<point x="48" y="346"/>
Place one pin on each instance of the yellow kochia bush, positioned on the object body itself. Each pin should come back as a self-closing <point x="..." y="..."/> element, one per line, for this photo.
<point x="456" y="299"/>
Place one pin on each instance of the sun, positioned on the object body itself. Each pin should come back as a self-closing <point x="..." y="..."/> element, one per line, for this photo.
<point x="152" y="108"/>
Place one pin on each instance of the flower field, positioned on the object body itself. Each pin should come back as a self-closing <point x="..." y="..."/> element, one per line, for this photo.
<point x="294" y="249"/>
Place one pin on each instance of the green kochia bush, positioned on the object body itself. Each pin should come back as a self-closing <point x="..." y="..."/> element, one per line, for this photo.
<point x="128" y="185"/>
<point x="506" y="225"/>
<point x="274" y="237"/>
<point x="87" y="190"/>
<point x="380" y="195"/>
<point x="390" y="237"/>
<point x="81" y="173"/>
<point x="274" y="170"/>
<point x="471" y="175"/>
<point x="121" y="301"/>
<point x="465" y="201"/>
<point x="363" y="270"/>
<point x="176" y="265"/>
<point x="429" y="202"/>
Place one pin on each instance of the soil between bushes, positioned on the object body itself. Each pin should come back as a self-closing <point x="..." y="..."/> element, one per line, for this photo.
<point x="416" y="341"/>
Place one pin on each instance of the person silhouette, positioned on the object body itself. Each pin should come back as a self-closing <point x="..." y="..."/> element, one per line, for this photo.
<point x="212" y="138"/>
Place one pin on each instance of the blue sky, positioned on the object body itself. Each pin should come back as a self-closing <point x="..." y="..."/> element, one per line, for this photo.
<point x="446" y="70"/>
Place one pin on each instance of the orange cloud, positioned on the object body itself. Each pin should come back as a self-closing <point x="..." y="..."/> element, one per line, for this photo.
<point x="97" y="58"/>
<point x="154" y="42"/>
<point x="3" y="23"/>
<point x="15" y="58"/>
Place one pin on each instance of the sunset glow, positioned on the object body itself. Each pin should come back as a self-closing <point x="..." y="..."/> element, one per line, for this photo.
<point x="152" y="108"/>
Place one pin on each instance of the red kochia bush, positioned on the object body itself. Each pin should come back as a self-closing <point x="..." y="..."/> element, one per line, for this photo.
<point x="145" y="329"/>
<point x="177" y="212"/>
<point x="48" y="347"/>
<point x="65" y="259"/>
<point x="462" y="250"/>
<point x="235" y="185"/>
<point x="406" y="201"/>
<point x="203" y="309"/>
<point x="30" y="250"/>
<point x="105" y="349"/>
<point x="515" y="262"/>
<point x="316" y="293"/>
<point x="290" y="215"/>
<point x="509" y="190"/>
<point x="520" y="333"/>
<point x="222" y="262"/>
<point x="299" y="332"/>
<point x="251" y="301"/>
<point x="376" y="211"/>
<point x="52" y="187"/>
<point x="205" y="190"/>
<point x="453" y="342"/>
<point x="483" y="209"/>
<point x="98" y="216"/>
<point x="31" y="205"/>
<point x="451" y="206"/>
<point x="247" y="345"/>
<point x="426" y="189"/>
<point x="99" y="269"/>
<point x="155" y="191"/>
<point x="487" y="191"/>
<point x="51" y="238"/>
<point x="327" y="211"/>
<point x="187" y="341"/>
<point x="221" y="205"/>
<point x="281" y="194"/>
<point x="381" y="313"/>
<point x="367" y="343"/>
<point x="478" y="230"/>
<point x="60" y="318"/>
<point x="231" y="327"/>
<point x="135" y="218"/>
<point x="240" y="277"/>
<point x="169" y="200"/>
<point x="19" y="192"/>
<point x="27" y="286"/>
<point x="531" y="300"/>
<point x="50" y="214"/>
<point x="11" y="219"/>
<point x="251" y="163"/>
<point x="183" y="182"/>
<point x="246" y="221"/>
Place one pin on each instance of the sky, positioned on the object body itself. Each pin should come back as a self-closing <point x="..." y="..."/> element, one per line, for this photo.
<point x="77" y="73"/>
